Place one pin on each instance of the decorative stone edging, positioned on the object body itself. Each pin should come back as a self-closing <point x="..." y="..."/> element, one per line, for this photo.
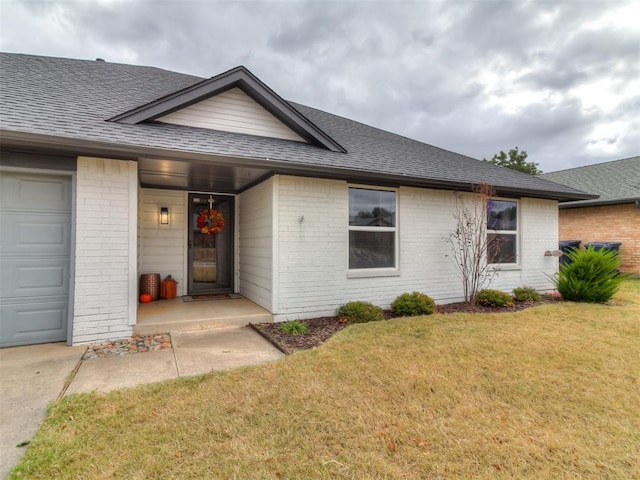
<point x="127" y="346"/>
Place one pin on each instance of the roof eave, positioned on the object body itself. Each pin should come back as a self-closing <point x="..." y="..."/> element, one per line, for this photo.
<point x="71" y="146"/>
<point x="599" y="203"/>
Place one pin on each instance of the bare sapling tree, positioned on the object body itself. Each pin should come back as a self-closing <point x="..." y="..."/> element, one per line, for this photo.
<point x="469" y="242"/>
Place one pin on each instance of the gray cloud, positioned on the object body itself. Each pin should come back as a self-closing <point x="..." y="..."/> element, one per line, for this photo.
<point x="473" y="77"/>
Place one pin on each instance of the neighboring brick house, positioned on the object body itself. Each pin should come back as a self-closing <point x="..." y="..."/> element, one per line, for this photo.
<point x="614" y="216"/>
<point x="107" y="170"/>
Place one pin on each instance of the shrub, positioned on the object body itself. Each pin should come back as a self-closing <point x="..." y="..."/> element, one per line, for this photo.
<point x="294" y="327"/>
<point x="410" y="304"/>
<point x="494" y="298"/>
<point x="590" y="276"/>
<point x="359" y="312"/>
<point x="526" y="294"/>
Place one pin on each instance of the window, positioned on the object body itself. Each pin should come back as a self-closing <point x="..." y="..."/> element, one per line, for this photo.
<point x="502" y="231"/>
<point x="372" y="228"/>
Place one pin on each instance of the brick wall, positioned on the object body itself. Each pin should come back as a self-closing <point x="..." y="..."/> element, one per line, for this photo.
<point x="606" y="223"/>
<point x="313" y="276"/>
<point x="105" y="249"/>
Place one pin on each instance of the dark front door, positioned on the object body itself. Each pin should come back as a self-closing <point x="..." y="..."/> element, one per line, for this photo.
<point x="210" y="244"/>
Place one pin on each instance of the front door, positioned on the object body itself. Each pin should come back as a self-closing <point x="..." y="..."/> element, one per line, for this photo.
<point x="210" y="244"/>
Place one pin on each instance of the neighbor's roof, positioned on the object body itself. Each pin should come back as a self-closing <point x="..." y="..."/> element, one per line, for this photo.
<point x="616" y="182"/>
<point x="65" y="105"/>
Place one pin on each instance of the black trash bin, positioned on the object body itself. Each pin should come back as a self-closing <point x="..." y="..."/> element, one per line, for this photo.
<point x="610" y="246"/>
<point x="567" y="246"/>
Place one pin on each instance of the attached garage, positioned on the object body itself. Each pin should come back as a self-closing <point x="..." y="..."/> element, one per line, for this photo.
<point x="35" y="257"/>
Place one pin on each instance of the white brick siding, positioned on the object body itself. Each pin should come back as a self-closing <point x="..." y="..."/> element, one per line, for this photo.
<point x="255" y="243"/>
<point x="313" y="277"/>
<point x="105" y="249"/>
<point x="538" y="233"/>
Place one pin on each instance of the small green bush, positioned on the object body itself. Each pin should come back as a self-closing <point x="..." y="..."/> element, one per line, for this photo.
<point x="526" y="294"/>
<point x="591" y="276"/>
<point x="416" y="303"/>
<point x="294" y="327"/>
<point x="359" y="312"/>
<point x="494" y="298"/>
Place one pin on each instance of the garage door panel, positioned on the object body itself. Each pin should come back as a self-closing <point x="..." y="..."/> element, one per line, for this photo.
<point x="25" y="324"/>
<point x="35" y="258"/>
<point x="31" y="233"/>
<point x="34" y="277"/>
<point x="35" y="193"/>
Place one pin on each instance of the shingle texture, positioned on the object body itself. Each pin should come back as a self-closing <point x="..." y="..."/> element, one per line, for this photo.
<point x="72" y="99"/>
<point x="616" y="182"/>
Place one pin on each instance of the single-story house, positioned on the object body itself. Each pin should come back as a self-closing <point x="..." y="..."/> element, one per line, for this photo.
<point x="612" y="217"/>
<point x="113" y="171"/>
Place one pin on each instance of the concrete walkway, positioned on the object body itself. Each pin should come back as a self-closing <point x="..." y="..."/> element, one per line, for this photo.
<point x="33" y="376"/>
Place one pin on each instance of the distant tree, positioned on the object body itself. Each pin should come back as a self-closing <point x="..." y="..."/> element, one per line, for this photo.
<point x="515" y="160"/>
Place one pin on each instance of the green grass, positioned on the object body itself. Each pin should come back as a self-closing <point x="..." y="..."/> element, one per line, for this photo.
<point x="548" y="392"/>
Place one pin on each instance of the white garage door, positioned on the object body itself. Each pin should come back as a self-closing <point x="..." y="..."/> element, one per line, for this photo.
<point x="35" y="247"/>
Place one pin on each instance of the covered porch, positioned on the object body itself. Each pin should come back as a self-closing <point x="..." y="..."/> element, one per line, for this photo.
<point x="216" y="311"/>
<point x="178" y="235"/>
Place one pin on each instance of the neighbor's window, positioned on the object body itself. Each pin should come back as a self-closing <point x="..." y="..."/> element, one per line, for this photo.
<point x="502" y="231"/>
<point x="372" y="228"/>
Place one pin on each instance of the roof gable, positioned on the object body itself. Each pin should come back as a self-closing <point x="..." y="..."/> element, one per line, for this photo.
<point x="242" y="79"/>
<point x="232" y="111"/>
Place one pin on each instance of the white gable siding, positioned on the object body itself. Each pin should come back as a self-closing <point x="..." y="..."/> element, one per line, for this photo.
<point x="255" y="243"/>
<point x="105" y="249"/>
<point x="313" y="275"/>
<point x="162" y="247"/>
<point x="232" y="111"/>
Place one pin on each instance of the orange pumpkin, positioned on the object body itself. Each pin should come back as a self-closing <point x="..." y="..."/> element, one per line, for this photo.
<point x="168" y="288"/>
<point x="145" y="298"/>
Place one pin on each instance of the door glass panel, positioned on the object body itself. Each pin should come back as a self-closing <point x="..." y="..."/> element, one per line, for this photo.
<point x="210" y="244"/>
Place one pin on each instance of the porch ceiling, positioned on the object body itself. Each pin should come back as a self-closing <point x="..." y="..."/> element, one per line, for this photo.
<point x="198" y="176"/>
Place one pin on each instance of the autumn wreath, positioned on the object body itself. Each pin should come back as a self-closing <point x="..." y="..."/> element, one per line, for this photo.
<point x="210" y="222"/>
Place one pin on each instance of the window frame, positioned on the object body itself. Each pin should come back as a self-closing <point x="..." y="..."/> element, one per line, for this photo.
<point x="374" y="271"/>
<point x="515" y="233"/>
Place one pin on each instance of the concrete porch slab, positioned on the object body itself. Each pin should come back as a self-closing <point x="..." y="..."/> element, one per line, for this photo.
<point x="174" y="315"/>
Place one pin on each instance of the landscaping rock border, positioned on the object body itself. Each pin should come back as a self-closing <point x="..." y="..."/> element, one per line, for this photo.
<point x="127" y="346"/>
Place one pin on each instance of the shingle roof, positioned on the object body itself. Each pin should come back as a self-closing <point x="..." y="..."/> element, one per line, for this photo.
<point x="616" y="182"/>
<point x="65" y="102"/>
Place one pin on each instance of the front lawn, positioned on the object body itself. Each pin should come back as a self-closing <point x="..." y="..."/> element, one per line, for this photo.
<point x="547" y="392"/>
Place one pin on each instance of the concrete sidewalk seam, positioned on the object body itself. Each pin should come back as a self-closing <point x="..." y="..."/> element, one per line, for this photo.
<point x="173" y="351"/>
<point x="71" y="376"/>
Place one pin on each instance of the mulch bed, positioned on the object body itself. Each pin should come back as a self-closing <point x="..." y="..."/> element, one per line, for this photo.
<point x="322" y="328"/>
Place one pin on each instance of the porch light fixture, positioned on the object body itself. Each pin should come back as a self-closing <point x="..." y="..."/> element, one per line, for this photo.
<point x="164" y="216"/>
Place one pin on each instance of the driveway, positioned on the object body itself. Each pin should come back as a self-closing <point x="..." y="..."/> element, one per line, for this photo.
<point x="30" y="378"/>
<point x="33" y="376"/>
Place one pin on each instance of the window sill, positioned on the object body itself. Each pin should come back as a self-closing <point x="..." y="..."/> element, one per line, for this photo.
<point x="373" y="272"/>
<point x="504" y="267"/>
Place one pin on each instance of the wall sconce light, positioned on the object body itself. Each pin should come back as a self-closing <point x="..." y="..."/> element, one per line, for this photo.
<point x="164" y="216"/>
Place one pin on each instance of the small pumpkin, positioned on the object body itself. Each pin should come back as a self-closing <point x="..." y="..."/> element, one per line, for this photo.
<point x="145" y="298"/>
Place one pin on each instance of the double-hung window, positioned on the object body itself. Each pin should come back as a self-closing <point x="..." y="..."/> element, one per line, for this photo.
<point x="502" y="231"/>
<point x="372" y="228"/>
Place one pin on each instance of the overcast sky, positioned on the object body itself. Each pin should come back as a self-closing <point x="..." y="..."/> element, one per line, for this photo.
<point x="559" y="79"/>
